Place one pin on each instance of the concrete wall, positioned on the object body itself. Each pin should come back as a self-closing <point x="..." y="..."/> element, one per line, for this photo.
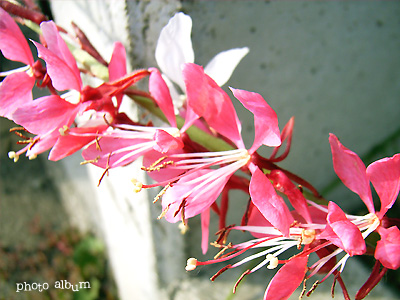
<point x="334" y="65"/>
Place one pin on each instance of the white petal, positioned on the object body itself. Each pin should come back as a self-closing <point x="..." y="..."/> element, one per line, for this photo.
<point x="221" y="67"/>
<point x="174" y="47"/>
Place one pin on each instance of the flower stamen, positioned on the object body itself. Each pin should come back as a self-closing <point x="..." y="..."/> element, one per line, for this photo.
<point x="191" y="264"/>
<point x="137" y="185"/>
<point x="312" y="289"/>
<point x="13" y="155"/>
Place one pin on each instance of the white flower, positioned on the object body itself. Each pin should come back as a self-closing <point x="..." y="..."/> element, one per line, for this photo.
<point x="174" y="49"/>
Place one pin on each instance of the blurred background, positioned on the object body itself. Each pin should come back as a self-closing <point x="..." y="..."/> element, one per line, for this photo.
<point x="334" y="65"/>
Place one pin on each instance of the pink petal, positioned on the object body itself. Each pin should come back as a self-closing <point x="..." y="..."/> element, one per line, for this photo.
<point x="265" y="119"/>
<point x="255" y="218"/>
<point x="272" y="207"/>
<point x="283" y="184"/>
<point x="69" y="143"/>
<point x="166" y="142"/>
<point x="205" y="223"/>
<point x="61" y="65"/>
<point x="58" y="48"/>
<point x="46" y="114"/>
<point x="115" y="151"/>
<point x="209" y="101"/>
<point x="198" y="189"/>
<point x="385" y="177"/>
<point x="13" y="44"/>
<point x="287" y="279"/>
<point x="317" y="216"/>
<point x="351" y="171"/>
<point x="341" y="232"/>
<point x="160" y="92"/>
<point x="191" y="118"/>
<point x="388" y="247"/>
<point x="113" y="88"/>
<point x="15" y="92"/>
<point x="45" y="143"/>
<point x="164" y="174"/>
<point x="117" y="65"/>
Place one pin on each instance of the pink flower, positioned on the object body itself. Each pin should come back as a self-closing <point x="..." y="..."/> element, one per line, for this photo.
<point x="388" y="247"/>
<point x="384" y="175"/>
<point x="272" y="245"/>
<point x="50" y="118"/>
<point x="16" y="88"/>
<point x="53" y="116"/>
<point x="197" y="185"/>
<point x="128" y="142"/>
<point x="342" y="232"/>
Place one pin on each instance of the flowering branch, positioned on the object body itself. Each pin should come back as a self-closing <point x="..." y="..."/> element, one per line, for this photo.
<point x="199" y="153"/>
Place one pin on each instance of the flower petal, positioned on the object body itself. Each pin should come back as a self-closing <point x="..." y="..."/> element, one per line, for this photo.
<point x="221" y="67"/>
<point x="15" y="92"/>
<point x="343" y="233"/>
<point x="198" y="189"/>
<point x="166" y="142"/>
<point x="351" y="171"/>
<point x="385" y="177"/>
<point x="283" y="184"/>
<point x="61" y="65"/>
<point x="163" y="174"/>
<point x="205" y="223"/>
<point x="265" y="119"/>
<point x="13" y="44"/>
<point x="287" y="279"/>
<point x="388" y="247"/>
<point x="268" y="202"/>
<point x="46" y="114"/>
<point x="174" y="47"/>
<point x="160" y="92"/>
<point x="70" y="143"/>
<point x="43" y="144"/>
<point x="117" y="65"/>
<point x="209" y="101"/>
<point x="112" y="152"/>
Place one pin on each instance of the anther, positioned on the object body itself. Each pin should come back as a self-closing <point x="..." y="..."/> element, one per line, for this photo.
<point x="183" y="227"/>
<point x="97" y="139"/>
<point x="303" y="291"/>
<point x="312" y="288"/>
<point x="32" y="156"/>
<point x="63" y="130"/>
<point x="13" y="155"/>
<point x="164" y="212"/>
<point x="224" y="248"/>
<point x="307" y="236"/>
<point x="91" y="161"/>
<point x="191" y="264"/>
<point x="161" y="193"/>
<point x="156" y="166"/>
<point x="106" y="170"/>
<point x="137" y="185"/>
<point x="273" y="261"/>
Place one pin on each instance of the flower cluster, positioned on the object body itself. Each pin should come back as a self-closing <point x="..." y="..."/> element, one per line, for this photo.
<point x="199" y="155"/>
